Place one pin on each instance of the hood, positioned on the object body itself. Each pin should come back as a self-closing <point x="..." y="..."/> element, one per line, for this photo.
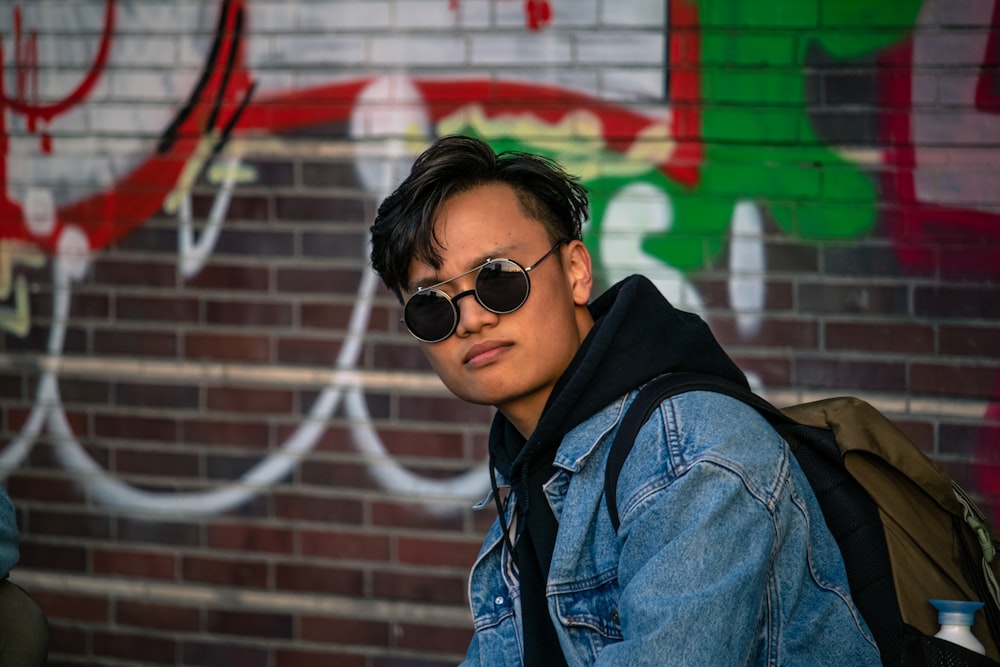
<point x="637" y="336"/>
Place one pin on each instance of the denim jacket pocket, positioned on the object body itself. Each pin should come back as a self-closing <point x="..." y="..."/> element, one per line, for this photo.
<point x="589" y="614"/>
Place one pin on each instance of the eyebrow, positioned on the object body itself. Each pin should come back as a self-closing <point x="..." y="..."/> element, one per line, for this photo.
<point x="497" y="253"/>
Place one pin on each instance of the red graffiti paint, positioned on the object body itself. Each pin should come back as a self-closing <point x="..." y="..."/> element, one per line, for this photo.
<point x="25" y="101"/>
<point x="538" y="14"/>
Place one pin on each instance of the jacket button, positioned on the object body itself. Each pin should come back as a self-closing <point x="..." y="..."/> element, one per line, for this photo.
<point x="614" y="615"/>
<point x="498" y="600"/>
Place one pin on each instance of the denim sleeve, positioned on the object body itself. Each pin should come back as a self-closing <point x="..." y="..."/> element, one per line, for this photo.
<point x="693" y="573"/>
<point x="8" y="534"/>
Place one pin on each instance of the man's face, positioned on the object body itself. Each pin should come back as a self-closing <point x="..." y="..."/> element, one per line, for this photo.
<point x="513" y="360"/>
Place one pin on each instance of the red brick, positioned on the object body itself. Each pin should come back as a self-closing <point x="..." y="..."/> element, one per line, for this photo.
<point x="443" y="410"/>
<point x="343" y="545"/>
<point x="842" y="374"/>
<point x="421" y="637"/>
<point x="970" y="341"/>
<point x="166" y="618"/>
<point x="299" y="576"/>
<point x="204" y="653"/>
<point x="241" y="207"/>
<point x="315" y="508"/>
<point x="146" y="648"/>
<point x="75" y="390"/>
<point x="48" y="556"/>
<point x="337" y="475"/>
<point x="410" y="515"/>
<point x="232" y="277"/>
<point x="921" y="433"/>
<point x="952" y="379"/>
<point x="237" y="433"/>
<point x="117" y="425"/>
<point x="315" y="658"/>
<point x="145" y="273"/>
<point x="249" y="624"/>
<point x="772" y="371"/>
<point x="335" y="245"/>
<point x="147" y="565"/>
<point x="969" y="302"/>
<point x="404" y="356"/>
<point x="69" y="640"/>
<point x="326" y="281"/>
<point x="229" y="347"/>
<point x="243" y="399"/>
<point x="225" y="571"/>
<point x="852" y="298"/>
<point x="68" y="523"/>
<point x="71" y="607"/>
<point x="250" y="538"/>
<point x="302" y="350"/>
<point x="344" y="631"/>
<point x="171" y="533"/>
<point x="327" y="174"/>
<point x="715" y="295"/>
<point x="156" y="309"/>
<point x="437" y="553"/>
<point x="431" y="444"/>
<point x="320" y="315"/>
<point x="56" y="489"/>
<point x="248" y="313"/>
<point x="880" y="337"/>
<point x="132" y="343"/>
<point x="419" y="587"/>
<point x="146" y="462"/>
<point x="328" y="210"/>
<point x="157" y="395"/>
<point x="773" y="332"/>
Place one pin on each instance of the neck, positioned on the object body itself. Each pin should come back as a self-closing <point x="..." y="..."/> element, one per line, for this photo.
<point x="525" y="412"/>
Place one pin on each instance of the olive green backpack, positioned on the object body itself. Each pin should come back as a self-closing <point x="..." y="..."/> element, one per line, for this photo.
<point x="907" y="532"/>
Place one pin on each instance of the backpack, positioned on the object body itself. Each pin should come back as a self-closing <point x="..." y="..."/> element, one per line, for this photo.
<point x="906" y="531"/>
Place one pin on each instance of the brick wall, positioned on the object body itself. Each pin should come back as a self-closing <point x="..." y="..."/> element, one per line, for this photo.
<point x="224" y="448"/>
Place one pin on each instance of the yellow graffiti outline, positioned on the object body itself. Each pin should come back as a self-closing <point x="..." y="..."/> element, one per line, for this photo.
<point x="17" y="320"/>
<point x="577" y="139"/>
<point x="216" y="174"/>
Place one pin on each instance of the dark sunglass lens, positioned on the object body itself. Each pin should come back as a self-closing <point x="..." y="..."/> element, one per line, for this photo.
<point x="502" y="286"/>
<point x="429" y="316"/>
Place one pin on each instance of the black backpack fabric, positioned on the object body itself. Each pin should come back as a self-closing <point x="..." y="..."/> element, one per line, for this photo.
<point x="870" y="482"/>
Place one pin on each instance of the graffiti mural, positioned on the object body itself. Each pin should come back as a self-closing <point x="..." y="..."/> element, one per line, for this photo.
<point x="224" y="447"/>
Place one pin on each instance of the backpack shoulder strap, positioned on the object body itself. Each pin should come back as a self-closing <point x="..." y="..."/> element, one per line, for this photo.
<point x="648" y="399"/>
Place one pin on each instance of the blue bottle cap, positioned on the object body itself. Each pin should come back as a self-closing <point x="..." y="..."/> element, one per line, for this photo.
<point x="956" y="612"/>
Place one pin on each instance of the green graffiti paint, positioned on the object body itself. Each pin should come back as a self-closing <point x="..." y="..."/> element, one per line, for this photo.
<point x="758" y="140"/>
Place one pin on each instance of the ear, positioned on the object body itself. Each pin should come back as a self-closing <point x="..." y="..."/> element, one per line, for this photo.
<point x="579" y="271"/>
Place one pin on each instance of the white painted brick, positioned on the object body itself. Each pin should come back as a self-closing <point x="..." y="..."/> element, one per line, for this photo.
<point x="418" y="51"/>
<point x="422" y="14"/>
<point x="273" y="16"/>
<point x="633" y="13"/>
<point x="632" y="83"/>
<point x="329" y="50"/>
<point x="621" y="47"/>
<point x="520" y="49"/>
<point x="343" y="16"/>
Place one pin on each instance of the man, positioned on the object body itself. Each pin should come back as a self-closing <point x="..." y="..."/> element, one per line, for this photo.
<point x="24" y="630"/>
<point x="722" y="556"/>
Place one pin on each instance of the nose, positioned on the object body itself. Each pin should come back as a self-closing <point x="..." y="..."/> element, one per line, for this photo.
<point x="472" y="315"/>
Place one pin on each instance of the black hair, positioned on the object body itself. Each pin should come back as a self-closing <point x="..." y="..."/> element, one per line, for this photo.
<point x="404" y="225"/>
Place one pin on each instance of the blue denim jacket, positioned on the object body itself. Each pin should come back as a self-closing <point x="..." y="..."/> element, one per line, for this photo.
<point x="722" y="557"/>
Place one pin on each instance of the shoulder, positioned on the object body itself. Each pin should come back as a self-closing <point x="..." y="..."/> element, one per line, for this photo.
<point x="701" y="428"/>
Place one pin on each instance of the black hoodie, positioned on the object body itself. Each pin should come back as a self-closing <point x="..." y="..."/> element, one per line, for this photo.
<point x="637" y="335"/>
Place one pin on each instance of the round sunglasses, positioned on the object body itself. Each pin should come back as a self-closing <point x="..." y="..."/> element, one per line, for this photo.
<point x="502" y="286"/>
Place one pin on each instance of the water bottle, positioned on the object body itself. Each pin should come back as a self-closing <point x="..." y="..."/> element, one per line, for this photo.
<point x="956" y="618"/>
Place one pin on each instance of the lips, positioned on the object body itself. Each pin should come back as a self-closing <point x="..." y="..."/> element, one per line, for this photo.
<point x="482" y="353"/>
